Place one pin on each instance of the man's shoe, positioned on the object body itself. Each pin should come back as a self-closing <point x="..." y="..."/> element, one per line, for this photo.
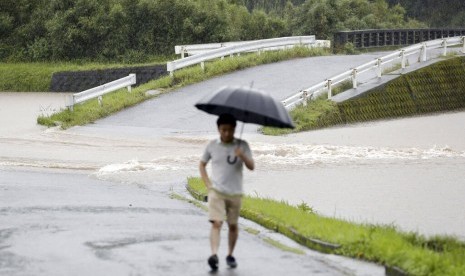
<point x="213" y="262"/>
<point x="231" y="261"/>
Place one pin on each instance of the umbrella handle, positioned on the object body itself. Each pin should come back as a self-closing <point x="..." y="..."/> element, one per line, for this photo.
<point x="240" y="135"/>
<point x="243" y="124"/>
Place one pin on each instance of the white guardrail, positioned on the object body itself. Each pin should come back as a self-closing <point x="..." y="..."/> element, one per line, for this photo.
<point x="400" y="55"/>
<point x="196" y="49"/>
<point x="98" y="91"/>
<point x="207" y="52"/>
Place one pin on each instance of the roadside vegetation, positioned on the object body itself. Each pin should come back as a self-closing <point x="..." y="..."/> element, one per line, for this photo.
<point x="431" y="89"/>
<point x="90" y="111"/>
<point x="131" y="31"/>
<point x="382" y="244"/>
<point x="37" y="76"/>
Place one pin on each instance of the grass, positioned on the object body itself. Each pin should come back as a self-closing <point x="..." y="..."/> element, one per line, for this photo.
<point x="90" y="111"/>
<point x="182" y="198"/>
<point x="36" y="77"/>
<point x="316" y="114"/>
<point x="251" y="231"/>
<point x="341" y="87"/>
<point x="392" y="68"/>
<point x="284" y="247"/>
<point x="383" y="244"/>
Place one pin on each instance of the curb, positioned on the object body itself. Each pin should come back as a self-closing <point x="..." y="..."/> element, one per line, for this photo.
<point x="394" y="271"/>
<point x="197" y="195"/>
<point x="290" y="232"/>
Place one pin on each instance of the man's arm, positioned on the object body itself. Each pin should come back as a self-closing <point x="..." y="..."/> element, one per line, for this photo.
<point x="204" y="174"/>
<point x="249" y="163"/>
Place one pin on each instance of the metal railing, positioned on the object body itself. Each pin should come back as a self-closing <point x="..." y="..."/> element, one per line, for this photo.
<point x="196" y="49"/>
<point x="377" y="65"/>
<point x="98" y="91"/>
<point x="257" y="45"/>
<point x="392" y="37"/>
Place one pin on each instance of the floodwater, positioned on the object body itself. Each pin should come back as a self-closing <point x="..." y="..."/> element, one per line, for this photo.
<point x="408" y="172"/>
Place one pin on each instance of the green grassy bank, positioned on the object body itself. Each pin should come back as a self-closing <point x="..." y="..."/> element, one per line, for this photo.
<point x="37" y="76"/>
<point x="411" y="252"/>
<point x="90" y="111"/>
<point x="439" y="87"/>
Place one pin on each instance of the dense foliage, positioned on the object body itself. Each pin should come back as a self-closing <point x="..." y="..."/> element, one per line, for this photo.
<point x="132" y="30"/>
<point x="444" y="13"/>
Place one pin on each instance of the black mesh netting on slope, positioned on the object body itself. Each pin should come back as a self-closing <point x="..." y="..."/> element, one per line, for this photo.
<point x="82" y="80"/>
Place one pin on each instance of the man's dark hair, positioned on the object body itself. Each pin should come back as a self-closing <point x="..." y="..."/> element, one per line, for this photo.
<point x="226" y="119"/>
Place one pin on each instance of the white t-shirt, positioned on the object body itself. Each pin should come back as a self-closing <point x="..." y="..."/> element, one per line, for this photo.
<point x="226" y="176"/>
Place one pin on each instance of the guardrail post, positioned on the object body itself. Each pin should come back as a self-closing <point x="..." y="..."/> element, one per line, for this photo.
<point x="202" y="65"/>
<point x="444" y="43"/>
<point x="183" y="51"/>
<point x="354" y="78"/>
<point x="423" y="53"/>
<point x="378" y="68"/>
<point x="304" y="98"/>
<point x="463" y="42"/>
<point x="100" y="100"/>
<point x="71" y="103"/>
<point x="133" y="76"/>
<point x="330" y="92"/>
<point x="402" y="56"/>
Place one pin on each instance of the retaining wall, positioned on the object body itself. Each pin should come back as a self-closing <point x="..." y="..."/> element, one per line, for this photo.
<point x="439" y="87"/>
<point x="82" y="80"/>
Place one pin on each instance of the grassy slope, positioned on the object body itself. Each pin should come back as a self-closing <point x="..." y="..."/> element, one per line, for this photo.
<point x="411" y="252"/>
<point x="439" y="87"/>
<point x="36" y="77"/>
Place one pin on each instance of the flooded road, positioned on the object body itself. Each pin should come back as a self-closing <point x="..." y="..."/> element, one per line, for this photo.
<point x="406" y="172"/>
<point x="409" y="172"/>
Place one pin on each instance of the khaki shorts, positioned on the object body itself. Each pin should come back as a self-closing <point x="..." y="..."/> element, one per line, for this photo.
<point x="221" y="207"/>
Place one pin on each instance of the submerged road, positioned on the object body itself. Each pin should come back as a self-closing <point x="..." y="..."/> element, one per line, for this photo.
<point x="175" y="113"/>
<point x="96" y="199"/>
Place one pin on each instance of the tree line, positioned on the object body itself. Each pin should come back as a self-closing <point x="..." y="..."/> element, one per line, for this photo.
<point x="134" y="30"/>
<point x="440" y="14"/>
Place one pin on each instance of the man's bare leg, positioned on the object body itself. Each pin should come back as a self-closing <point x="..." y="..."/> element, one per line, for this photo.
<point x="232" y="238"/>
<point x="215" y="236"/>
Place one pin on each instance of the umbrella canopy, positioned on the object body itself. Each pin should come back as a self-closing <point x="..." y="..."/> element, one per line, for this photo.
<point x="248" y="106"/>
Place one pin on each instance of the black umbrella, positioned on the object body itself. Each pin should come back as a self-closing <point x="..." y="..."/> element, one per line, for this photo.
<point x="247" y="105"/>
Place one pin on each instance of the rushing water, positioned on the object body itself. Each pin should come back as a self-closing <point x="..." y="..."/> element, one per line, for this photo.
<point x="407" y="172"/>
<point x="397" y="172"/>
<point x="416" y="189"/>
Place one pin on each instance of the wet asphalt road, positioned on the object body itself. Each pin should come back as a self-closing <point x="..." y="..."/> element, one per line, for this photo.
<point x="69" y="223"/>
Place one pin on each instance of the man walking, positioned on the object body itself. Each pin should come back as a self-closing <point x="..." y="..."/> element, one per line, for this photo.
<point x="227" y="155"/>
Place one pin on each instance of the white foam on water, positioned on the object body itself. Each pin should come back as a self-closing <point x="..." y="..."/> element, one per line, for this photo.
<point x="289" y="157"/>
<point x="301" y="154"/>
<point x="47" y="165"/>
<point x="135" y="166"/>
